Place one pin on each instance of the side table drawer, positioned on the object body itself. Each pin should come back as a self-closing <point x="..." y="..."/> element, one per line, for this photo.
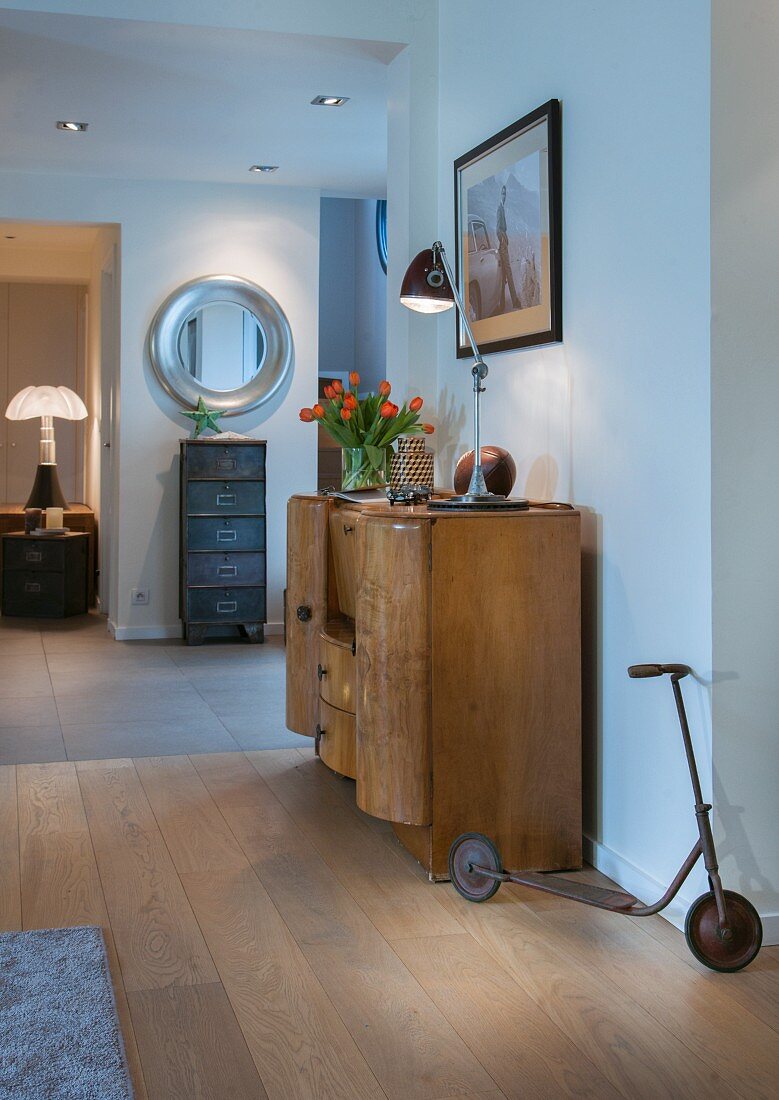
<point x="337" y="740"/>
<point x="226" y="605"/>
<point x="34" y="593"/>
<point x="337" y="675"/>
<point x="28" y="555"/>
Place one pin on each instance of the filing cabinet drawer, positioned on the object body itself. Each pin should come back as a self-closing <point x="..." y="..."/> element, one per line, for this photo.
<point x="213" y="533"/>
<point x="226" y="498"/>
<point x="337" y="740"/>
<point x="34" y="554"/>
<point x="226" y="605"/>
<point x="226" y="461"/>
<point x="337" y="675"/>
<point x="211" y="569"/>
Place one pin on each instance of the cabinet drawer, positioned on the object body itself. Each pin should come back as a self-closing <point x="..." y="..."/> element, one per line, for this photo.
<point x="37" y="594"/>
<point x="34" y="554"/>
<point x="337" y="675"/>
<point x="213" y="533"/>
<point x="234" y="569"/>
<point x="221" y="460"/>
<point x="226" y="498"/>
<point x="337" y="740"/>
<point x="226" y="605"/>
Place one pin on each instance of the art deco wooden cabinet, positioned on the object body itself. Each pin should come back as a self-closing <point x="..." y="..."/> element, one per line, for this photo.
<point x="435" y="658"/>
<point x="222" y="537"/>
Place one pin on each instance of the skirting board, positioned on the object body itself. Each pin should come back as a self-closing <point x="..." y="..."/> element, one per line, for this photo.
<point x="648" y="889"/>
<point x="147" y="633"/>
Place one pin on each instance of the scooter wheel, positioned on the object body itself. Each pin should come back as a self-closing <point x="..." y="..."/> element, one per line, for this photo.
<point x="705" y="940"/>
<point x="469" y="850"/>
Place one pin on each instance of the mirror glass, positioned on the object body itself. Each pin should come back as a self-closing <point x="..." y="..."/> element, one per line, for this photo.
<point x="222" y="345"/>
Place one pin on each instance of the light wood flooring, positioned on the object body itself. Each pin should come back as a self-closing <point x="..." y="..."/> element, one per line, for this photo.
<point x="267" y="939"/>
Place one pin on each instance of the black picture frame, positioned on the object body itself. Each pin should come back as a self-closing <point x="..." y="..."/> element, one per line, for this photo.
<point x="550" y="286"/>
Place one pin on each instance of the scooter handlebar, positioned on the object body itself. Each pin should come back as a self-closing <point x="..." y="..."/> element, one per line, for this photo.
<point x="641" y="672"/>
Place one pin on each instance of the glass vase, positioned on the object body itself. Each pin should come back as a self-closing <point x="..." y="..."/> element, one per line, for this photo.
<point x="359" y="469"/>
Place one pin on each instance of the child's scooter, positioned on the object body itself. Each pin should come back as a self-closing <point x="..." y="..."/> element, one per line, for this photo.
<point x="722" y="929"/>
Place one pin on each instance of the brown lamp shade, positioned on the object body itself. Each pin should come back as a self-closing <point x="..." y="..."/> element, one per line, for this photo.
<point x="500" y="471"/>
<point x="425" y="286"/>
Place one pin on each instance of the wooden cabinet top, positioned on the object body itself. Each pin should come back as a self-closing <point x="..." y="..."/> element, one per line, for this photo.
<point x="384" y="510"/>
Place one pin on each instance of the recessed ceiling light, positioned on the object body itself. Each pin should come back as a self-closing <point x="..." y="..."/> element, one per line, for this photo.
<point x="264" y="168"/>
<point x="74" y="127"/>
<point x="330" y="100"/>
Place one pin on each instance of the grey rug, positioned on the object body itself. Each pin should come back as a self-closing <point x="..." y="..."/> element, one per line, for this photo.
<point x="59" y="1032"/>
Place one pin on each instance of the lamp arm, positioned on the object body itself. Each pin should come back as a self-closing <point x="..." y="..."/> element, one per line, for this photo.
<point x="440" y="252"/>
<point x="477" y="486"/>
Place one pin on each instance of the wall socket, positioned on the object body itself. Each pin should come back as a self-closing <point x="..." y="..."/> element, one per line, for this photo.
<point x="139" y="596"/>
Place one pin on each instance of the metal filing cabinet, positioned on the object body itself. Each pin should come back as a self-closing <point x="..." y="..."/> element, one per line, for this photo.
<point x="46" y="577"/>
<point x="223" y="575"/>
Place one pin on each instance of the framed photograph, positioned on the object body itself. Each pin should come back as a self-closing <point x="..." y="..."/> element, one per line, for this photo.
<point x="508" y="235"/>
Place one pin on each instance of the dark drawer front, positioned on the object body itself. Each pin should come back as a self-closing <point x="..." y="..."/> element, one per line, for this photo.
<point x="34" y="593"/>
<point x="212" y="533"/>
<point x="215" y="460"/>
<point x="29" y="554"/>
<point x="226" y="605"/>
<point x="210" y="569"/>
<point x="226" y="498"/>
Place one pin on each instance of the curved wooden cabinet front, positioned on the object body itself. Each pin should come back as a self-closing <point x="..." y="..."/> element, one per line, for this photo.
<point x="306" y="607"/>
<point x="336" y="742"/>
<point x="393" y="660"/>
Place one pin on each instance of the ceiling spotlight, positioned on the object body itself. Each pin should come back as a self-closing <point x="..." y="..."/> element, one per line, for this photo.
<point x="330" y="100"/>
<point x="264" y="168"/>
<point x="74" y="127"/>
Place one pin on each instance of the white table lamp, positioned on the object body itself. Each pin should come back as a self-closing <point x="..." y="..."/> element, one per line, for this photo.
<point x="46" y="402"/>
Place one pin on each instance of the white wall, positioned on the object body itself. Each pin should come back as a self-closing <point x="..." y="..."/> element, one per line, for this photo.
<point x="171" y="233"/>
<point x="352" y="291"/>
<point x="745" y="446"/>
<point x="616" y="418"/>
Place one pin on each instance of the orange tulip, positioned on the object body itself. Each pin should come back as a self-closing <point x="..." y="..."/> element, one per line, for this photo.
<point x="428" y="429"/>
<point x="306" y="415"/>
<point x="318" y="412"/>
<point x="337" y="386"/>
<point x="385" y="389"/>
<point x="345" y="414"/>
<point x="354" y="378"/>
<point x="350" y="402"/>
<point x="387" y="410"/>
<point x="329" y="392"/>
<point x="415" y="404"/>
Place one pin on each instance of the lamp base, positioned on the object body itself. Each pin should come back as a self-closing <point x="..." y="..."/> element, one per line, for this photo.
<point x="478" y="502"/>
<point x="46" y="491"/>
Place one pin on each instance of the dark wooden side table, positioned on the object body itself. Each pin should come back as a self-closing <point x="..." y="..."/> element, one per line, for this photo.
<point x="45" y="577"/>
<point x="77" y="517"/>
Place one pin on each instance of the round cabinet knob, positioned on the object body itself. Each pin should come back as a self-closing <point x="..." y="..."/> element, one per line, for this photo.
<point x="320" y="733"/>
<point x="320" y="672"/>
<point x="304" y="613"/>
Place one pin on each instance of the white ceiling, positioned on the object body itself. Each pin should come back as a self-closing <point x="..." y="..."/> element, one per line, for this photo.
<point x="191" y="103"/>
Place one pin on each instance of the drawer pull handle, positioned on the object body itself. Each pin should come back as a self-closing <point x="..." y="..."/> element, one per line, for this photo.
<point x="225" y="464"/>
<point x="227" y="571"/>
<point x="225" y="607"/>
<point x="320" y="673"/>
<point x="304" y="613"/>
<point x="320" y="733"/>
<point x="225" y="500"/>
<point x="33" y="555"/>
<point x="31" y="586"/>
<point x="226" y="536"/>
<point x="347" y="529"/>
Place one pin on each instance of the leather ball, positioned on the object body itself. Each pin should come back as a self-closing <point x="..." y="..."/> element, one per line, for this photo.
<point x="500" y="471"/>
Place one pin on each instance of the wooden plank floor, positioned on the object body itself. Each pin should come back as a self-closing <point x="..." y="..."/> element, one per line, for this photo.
<point x="267" y="939"/>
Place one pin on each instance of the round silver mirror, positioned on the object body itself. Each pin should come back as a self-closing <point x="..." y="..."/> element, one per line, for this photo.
<point x="224" y="339"/>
